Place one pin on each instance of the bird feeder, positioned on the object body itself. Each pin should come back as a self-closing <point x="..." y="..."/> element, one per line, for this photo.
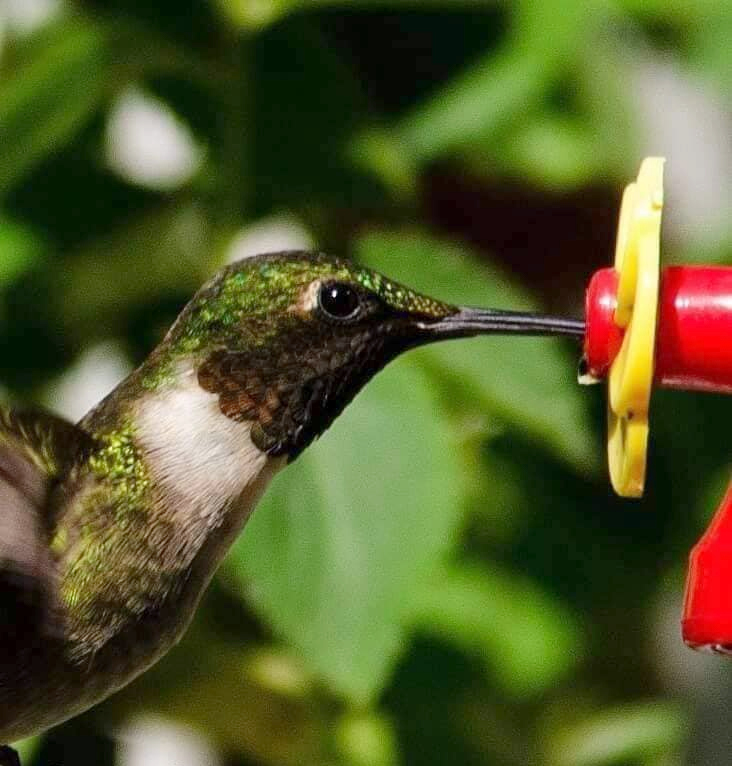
<point x="671" y="327"/>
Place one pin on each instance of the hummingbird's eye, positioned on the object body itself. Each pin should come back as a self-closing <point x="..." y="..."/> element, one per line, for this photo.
<point x="338" y="300"/>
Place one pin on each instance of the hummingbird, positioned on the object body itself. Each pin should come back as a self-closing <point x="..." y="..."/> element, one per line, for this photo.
<point x="111" y="529"/>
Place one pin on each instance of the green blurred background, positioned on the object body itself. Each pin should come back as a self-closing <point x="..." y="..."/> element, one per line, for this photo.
<point x="446" y="577"/>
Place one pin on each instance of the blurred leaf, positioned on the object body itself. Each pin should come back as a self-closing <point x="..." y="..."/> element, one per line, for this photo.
<point x="616" y="737"/>
<point x="19" y="249"/>
<point x="170" y="249"/>
<point x="528" y="381"/>
<point x="253" y="700"/>
<point x="27" y="748"/>
<point x="526" y="639"/>
<point x="553" y="150"/>
<point x="679" y="10"/>
<point x="710" y="48"/>
<point x="49" y="97"/>
<point x="378" y="152"/>
<point x="580" y="133"/>
<point x="367" y="739"/>
<point x="545" y="40"/>
<point x="349" y="532"/>
<point x="255" y="14"/>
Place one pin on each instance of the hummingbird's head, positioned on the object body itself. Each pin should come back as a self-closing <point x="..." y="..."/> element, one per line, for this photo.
<point x="286" y="340"/>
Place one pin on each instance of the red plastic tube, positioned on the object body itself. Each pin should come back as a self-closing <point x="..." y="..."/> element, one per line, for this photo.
<point x="694" y="332"/>
<point x="694" y="343"/>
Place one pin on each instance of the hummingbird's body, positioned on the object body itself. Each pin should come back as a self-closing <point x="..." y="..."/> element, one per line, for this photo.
<point x="138" y="527"/>
<point x="111" y="530"/>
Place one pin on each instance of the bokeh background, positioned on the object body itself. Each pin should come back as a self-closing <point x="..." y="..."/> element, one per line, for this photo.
<point x="446" y="577"/>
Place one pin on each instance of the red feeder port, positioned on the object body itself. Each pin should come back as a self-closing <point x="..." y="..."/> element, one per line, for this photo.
<point x="694" y="333"/>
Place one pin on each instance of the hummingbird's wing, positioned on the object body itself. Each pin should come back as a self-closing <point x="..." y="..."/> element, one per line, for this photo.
<point x="36" y="452"/>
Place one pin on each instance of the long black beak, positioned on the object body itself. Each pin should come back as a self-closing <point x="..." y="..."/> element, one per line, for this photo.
<point x="466" y="322"/>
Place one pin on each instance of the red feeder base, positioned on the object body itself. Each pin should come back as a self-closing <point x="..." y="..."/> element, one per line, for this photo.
<point x="707" y="621"/>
